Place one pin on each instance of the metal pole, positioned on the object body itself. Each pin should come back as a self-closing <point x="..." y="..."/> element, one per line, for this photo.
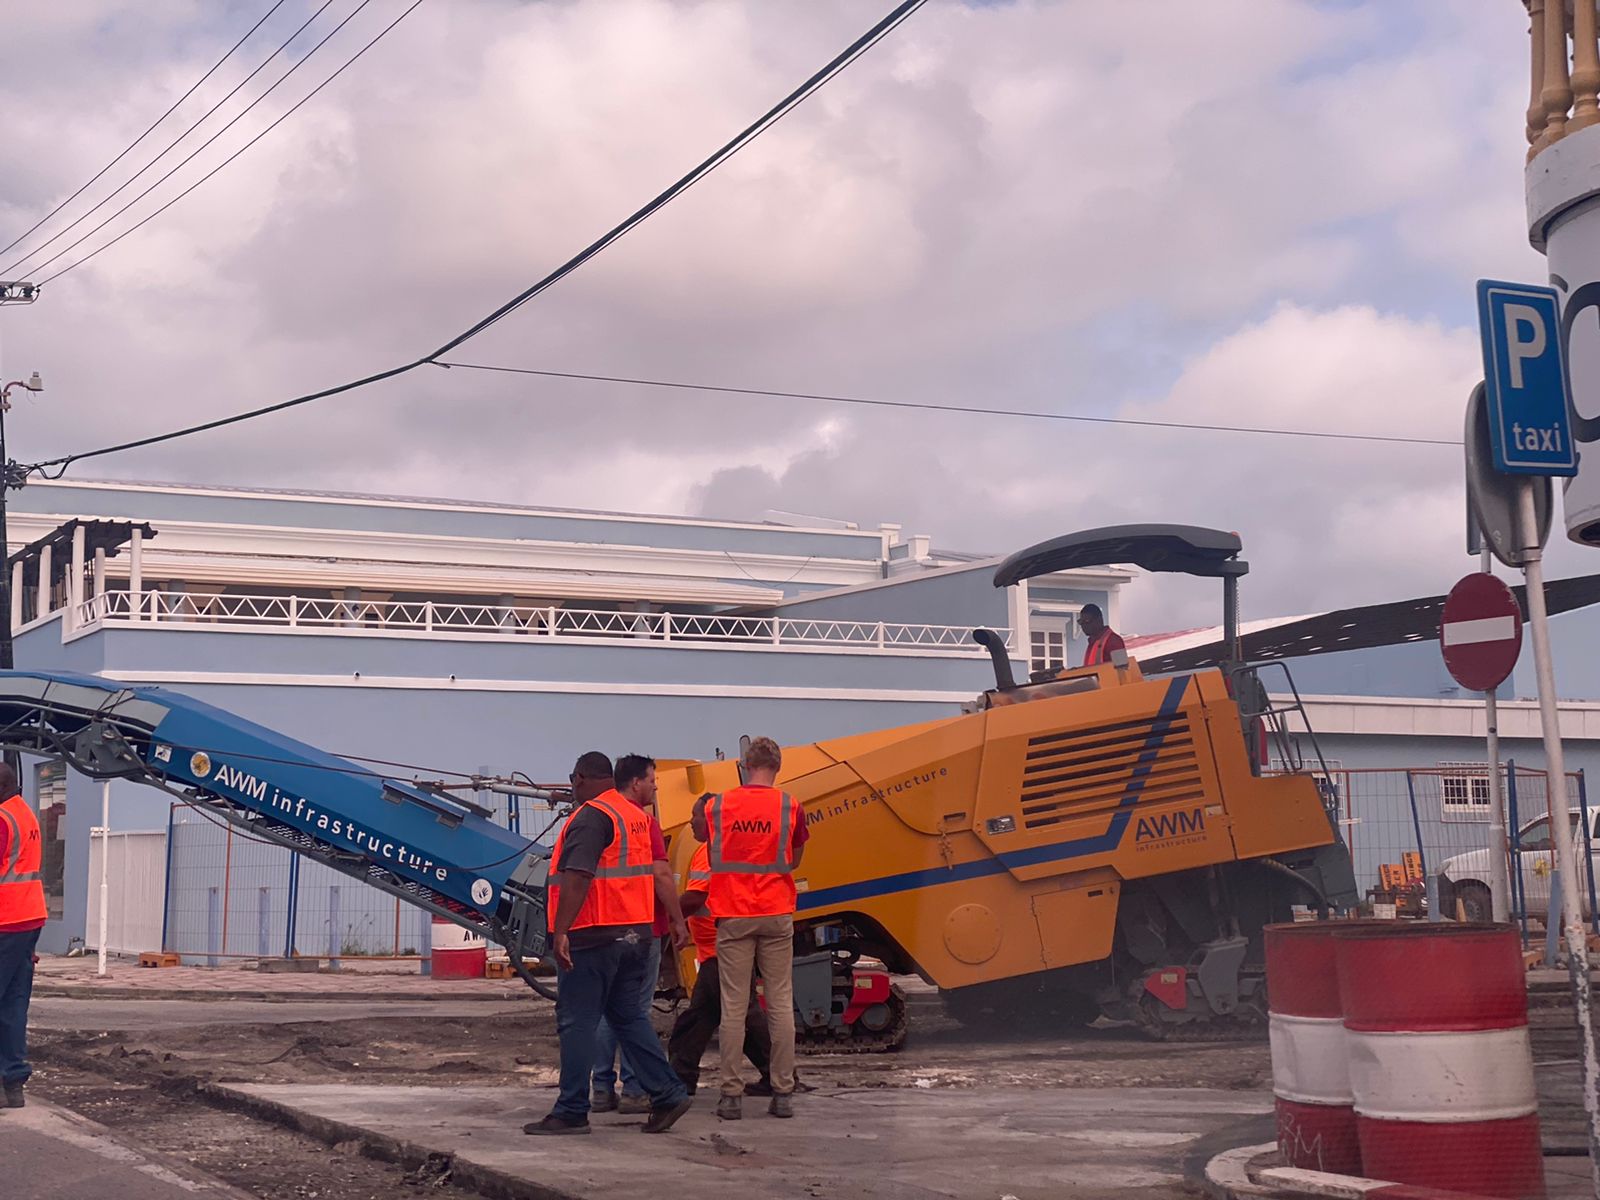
<point x="1588" y="849"/>
<point x="1560" y="822"/>
<point x="1416" y="823"/>
<point x="105" y="869"/>
<point x="1499" y="849"/>
<point x="1519" y="885"/>
<point x="7" y="657"/>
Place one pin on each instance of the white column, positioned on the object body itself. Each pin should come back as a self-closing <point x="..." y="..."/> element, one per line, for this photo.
<point x="17" y="574"/>
<point x="45" y="568"/>
<point x="105" y="867"/>
<point x="136" y="574"/>
<point x="75" y="578"/>
<point x="99" y="570"/>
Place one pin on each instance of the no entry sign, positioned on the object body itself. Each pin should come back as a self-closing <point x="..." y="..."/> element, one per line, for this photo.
<point x="1481" y="633"/>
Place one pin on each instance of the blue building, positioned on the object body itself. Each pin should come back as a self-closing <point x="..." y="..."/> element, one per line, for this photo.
<point x="451" y="636"/>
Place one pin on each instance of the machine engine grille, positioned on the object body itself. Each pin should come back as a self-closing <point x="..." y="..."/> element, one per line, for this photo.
<point x="1088" y="771"/>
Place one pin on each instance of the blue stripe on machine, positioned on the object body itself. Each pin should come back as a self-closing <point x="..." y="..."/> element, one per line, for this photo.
<point x="961" y="872"/>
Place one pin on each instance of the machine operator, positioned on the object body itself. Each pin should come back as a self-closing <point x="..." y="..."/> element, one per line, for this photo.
<point x="22" y="915"/>
<point x="1103" y="640"/>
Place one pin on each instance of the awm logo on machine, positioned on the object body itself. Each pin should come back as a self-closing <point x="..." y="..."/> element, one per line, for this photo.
<point x="1169" y="827"/>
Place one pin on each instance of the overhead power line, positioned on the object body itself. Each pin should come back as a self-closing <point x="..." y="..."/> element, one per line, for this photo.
<point x="142" y="222"/>
<point x="167" y="149"/>
<point x="56" y="467"/>
<point x="131" y="146"/>
<point x="334" y="32"/>
<point x="1031" y="414"/>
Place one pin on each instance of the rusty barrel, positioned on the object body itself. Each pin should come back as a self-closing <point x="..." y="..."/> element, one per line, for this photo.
<point x="1441" y="1068"/>
<point x="1310" y="1077"/>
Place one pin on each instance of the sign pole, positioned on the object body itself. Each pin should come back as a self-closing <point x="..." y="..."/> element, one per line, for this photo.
<point x="1499" y="842"/>
<point x="1560" y="823"/>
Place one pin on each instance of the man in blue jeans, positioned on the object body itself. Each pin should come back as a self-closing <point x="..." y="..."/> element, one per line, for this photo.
<point x="22" y="915"/>
<point x="635" y="779"/>
<point x="603" y="894"/>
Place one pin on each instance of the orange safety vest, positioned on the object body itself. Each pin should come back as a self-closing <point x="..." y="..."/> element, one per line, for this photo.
<point x="702" y="926"/>
<point x="1096" y="654"/>
<point x="752" y="865"/>
<point x="21" y="892"/>
<point x="623" y="891"/>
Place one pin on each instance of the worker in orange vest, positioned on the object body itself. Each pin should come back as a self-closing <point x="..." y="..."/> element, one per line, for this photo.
<point x="1103" y="640"/>
<point x="754" y="835"/>
<point x="602" y="896"/>
<point x="22" y="915"/>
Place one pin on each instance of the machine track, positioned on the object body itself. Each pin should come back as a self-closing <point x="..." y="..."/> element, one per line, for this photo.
<point x="861" y="1041"/>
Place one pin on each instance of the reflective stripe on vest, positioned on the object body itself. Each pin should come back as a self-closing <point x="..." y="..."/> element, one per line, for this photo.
<point x="780" y="863"/>
<point x="21" y="889"/>
<point x="1097" y="650"/>
<point x="622" y="870"/>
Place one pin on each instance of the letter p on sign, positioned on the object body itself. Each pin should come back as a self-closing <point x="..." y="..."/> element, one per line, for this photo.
<point x="1525" y="379"/>
<point x="1525" y="338"/>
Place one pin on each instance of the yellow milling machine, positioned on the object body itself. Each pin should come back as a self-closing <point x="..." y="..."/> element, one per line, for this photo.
<point x="1095" y="843"/>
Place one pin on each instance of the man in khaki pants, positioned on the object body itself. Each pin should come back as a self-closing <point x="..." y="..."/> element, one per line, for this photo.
<point x="755" y="835"/>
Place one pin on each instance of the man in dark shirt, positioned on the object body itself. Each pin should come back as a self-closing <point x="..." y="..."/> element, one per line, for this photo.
<point x="603" y="968"/>
<point x="635" y="779"/>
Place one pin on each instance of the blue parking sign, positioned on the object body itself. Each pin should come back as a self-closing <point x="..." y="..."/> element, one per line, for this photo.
<point x="1525" y="379"/>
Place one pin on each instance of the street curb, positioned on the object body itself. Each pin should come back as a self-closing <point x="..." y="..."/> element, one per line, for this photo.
<point x="116" y="993"/>
<point x="488" y="1182"/>
<point x="1227" y="1179"/>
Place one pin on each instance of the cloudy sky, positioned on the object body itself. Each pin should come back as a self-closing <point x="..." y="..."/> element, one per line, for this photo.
<point x="1242" y="211"/>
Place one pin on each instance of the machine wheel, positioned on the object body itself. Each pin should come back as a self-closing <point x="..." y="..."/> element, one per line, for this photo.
<point x="1476" y="902"/>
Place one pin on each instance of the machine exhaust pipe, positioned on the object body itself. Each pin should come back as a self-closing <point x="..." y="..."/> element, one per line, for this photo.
<point x="996" y="646"/>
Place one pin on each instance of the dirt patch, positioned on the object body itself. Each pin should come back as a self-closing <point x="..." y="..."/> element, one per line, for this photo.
<point x="255" y="1156"/>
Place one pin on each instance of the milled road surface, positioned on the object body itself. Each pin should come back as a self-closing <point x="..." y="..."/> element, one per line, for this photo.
<point x="445" y="1086"/>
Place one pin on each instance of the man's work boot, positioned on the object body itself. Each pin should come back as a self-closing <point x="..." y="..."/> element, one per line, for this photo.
<point x="781" y="1106"/>
<point x="632" y="1104"/>
<point x="729" y="1108"/>
<point x="662" y="1119"/>
<point x="14" y="1097"/>
<point x="555" y="1124"/>
<point x="602" y="1102"/>
<point x="761" y="1087"/>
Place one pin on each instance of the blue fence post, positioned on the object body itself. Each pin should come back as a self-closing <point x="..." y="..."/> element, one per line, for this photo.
<point x="263" y="920"/>
<point x="166" y="889"/>
<point x="333" y="926"/>
<point x="1416" y="822"/>
<point x="1518" y="884"/>
<point x="294" y="903"/>
<point x="1588" y="850"/>
<point x="213" y="925"/>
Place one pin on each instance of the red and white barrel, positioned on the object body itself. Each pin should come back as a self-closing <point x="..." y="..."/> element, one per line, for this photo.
<point x="1436" y="1023"/>
<point x="1310" y="1075"/>
<point x="458" y="953"/>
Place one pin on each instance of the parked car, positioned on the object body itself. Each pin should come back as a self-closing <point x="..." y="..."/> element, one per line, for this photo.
<point x="1467" y="875"/>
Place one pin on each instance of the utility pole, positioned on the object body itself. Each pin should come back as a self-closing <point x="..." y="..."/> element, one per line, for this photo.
<point x="11" y="476"/>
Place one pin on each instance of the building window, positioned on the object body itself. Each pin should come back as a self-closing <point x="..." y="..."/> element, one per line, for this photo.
<point x="1464" y="790"/>
<point x="1048" y="649"/>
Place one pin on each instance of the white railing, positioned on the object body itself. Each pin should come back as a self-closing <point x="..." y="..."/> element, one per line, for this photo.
<point x="187" y="609"/>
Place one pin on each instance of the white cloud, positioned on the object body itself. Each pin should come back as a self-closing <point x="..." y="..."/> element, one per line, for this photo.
<point x="1244" y="211"/>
